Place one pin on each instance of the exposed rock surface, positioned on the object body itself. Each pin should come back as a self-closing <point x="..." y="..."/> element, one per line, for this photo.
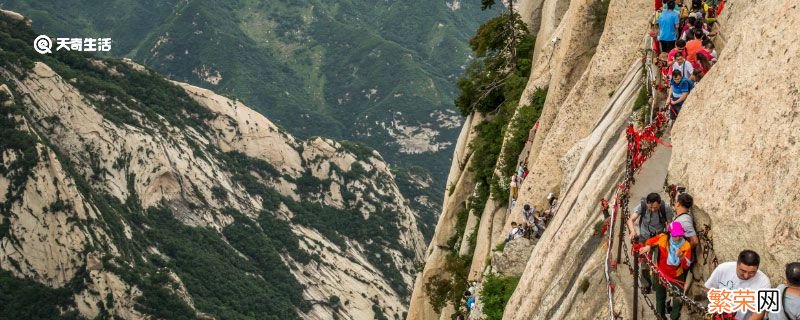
<point x="514" y="257"/>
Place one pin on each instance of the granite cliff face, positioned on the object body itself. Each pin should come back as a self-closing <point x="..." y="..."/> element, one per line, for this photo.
<point x="132" y="196"/>
<point x="734" y="147"/>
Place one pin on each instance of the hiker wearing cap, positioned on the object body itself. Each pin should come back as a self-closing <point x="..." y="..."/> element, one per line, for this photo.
<point x="649" y="217"/>
<point x="674" y="258"/>
<point x="789" y="297"/>
<point x="740" y="274"/>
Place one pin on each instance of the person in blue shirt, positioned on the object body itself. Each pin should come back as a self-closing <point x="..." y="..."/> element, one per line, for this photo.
<point x="668" y="27"/>
<point x="680" y="87"/>
<point x="470" y="300"/>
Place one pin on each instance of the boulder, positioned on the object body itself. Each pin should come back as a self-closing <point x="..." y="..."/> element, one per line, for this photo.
<point x="514" y="257"/>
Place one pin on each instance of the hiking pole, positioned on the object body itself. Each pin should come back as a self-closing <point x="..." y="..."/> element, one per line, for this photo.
<point x="635" y="284"/>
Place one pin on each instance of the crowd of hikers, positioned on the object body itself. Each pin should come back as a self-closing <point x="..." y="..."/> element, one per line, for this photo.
<point x="666" y="234"/>
<point x="685" y="50"/>
<point x="533" y="221"/>
<point x="669" y="237"/>
<point x="685" y="53"/>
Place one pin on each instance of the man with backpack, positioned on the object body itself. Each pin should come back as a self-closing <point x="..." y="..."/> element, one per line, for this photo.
<point x="651" y="216"/>
<point x="683" y="203"/>
<point x="789" y="297"/>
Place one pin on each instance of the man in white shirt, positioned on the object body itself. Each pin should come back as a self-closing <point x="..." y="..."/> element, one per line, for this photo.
<point x="527" y="215"/>
<point x="515" y="233"/>
<point x="741" y="274"/>
<point x="681" y="64"/>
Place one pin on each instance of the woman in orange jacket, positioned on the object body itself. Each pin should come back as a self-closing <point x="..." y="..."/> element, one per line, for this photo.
<point x="674" y="259"/>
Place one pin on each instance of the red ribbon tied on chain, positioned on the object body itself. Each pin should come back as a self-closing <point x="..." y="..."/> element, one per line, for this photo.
<point x="637" y="137"/>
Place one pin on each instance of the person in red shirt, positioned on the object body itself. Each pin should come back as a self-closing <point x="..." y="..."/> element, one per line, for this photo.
<point x="674" y="259"/>
<point x="680" y="46"/>
<point x="708" y="51"/>
<point x="702" y="63"/>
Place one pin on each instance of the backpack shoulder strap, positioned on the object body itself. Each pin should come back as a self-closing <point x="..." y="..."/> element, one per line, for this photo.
<point x="783" y="304"/>
<point x="662" y="214"/>
<point x="642" y="211"/>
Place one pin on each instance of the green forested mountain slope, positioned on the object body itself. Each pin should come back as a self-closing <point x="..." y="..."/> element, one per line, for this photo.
<point x="379" y="72"/>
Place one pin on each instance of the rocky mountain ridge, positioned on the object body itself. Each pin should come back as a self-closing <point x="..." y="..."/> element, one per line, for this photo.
<point x="126" y="195"/>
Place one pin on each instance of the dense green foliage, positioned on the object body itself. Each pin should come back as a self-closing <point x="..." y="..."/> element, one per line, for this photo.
<point x="492" y="79"/>
<point x="495" y="294"/>
<point x="27" y="299"/>
<point x="448" y="288"/>
<point x="490" y="88"/>
<point x="220" y="281"/>
<point x="519" y="130"/>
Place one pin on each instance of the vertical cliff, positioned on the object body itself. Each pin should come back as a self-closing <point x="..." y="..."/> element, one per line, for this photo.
<point x="734" y="147"/>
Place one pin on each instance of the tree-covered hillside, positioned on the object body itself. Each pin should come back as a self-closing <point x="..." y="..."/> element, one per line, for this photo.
<point x="379" y="72"/>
